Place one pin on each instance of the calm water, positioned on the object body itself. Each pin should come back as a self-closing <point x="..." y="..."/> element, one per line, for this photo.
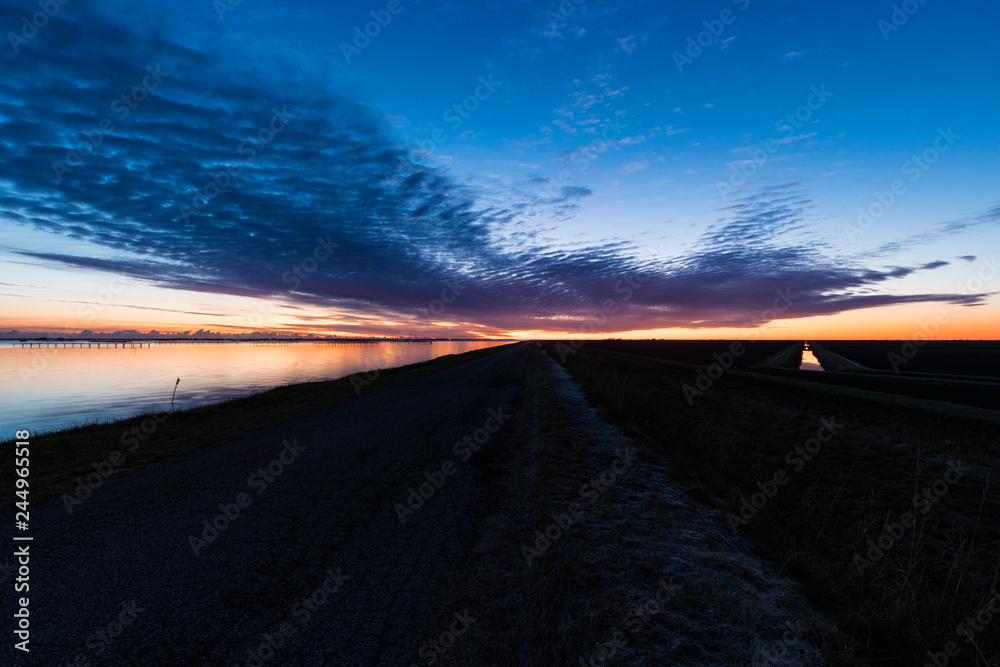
<point x="53" y="388"/>
<point x="809" y="362"/>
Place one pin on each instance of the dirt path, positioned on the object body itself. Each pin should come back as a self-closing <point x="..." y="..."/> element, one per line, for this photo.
<point x="598" y="555"/>
<point x="286" y="547"/>
<point x="555" y="542"/>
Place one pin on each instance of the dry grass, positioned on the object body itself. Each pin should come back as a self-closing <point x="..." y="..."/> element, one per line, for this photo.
<point x="719" y="603"/>
<point x="740" y="432"/>
<point x="790" y="358"/>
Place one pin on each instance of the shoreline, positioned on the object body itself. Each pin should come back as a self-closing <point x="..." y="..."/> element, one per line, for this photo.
<point x="71" y="384"/>
<point x="63" y="455"/>
<point x="62" y="340"/>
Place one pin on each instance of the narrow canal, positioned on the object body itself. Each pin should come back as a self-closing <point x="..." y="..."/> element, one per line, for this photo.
<point x="809" y="360"/>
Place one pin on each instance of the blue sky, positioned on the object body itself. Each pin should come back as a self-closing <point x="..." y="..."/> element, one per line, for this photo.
<point x="591" y="142"/>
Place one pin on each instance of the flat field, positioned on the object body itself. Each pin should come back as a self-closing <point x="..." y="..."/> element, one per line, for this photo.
<point x="981" y="358"/>
<point x="891" y="523"/>
<point x="699" y="352"/>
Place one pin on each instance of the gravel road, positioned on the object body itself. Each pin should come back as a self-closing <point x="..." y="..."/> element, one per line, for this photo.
<point x="300" y="545"/>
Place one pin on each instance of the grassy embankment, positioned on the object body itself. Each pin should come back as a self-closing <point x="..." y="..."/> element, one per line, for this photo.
<point x="789" y="359"/>
<point x="59" y="457"/>
<point x="910" y="596"/>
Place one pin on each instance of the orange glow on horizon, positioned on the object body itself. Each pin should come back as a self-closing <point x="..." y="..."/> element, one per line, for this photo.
<point x="889" y="322"/>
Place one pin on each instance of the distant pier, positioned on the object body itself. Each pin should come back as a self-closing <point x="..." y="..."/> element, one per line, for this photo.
<point x="128" y="344"/>
<point x="261" y="342"/>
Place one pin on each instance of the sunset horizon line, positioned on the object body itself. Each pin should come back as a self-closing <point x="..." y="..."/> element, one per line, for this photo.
<point x="679" y="334"/>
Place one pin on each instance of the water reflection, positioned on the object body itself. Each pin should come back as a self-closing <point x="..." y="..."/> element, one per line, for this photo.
<point x="51" y="388"/>
<point x="809" y="361"/>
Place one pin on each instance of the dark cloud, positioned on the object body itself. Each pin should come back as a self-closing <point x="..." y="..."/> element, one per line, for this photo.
<point x="119" y="305"/>
<point x="988" y="218"/>
<point x="291" y="172"/>
<point x="734" y="275"/>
